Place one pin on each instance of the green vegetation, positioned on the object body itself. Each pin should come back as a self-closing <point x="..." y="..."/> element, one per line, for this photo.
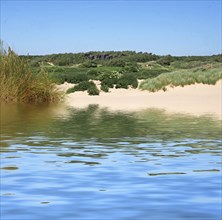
<point x="67" y="74"/>
<point x="32" y="79"/>
<point x="93" y="90"/>
<point x="83" y="86"/>
<point x="18" y="84"/>
<point x="182" y="78"/>
<point x="127" y="80"/>
<point x="104" y="87"/>
<point x="123" y="69"/>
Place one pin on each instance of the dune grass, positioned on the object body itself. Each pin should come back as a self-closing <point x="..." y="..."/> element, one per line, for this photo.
<point x="19" y="84"/>
<point x="182" y="77"/>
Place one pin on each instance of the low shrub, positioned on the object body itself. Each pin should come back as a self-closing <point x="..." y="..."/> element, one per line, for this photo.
<point x="127" y="80"/>
<point x="110" y="78"/>
<point x="109" y="82"/>
<point x="122" y="84"/>
<point x="104" y="87"/>
<point x="110" y="75"/>
<point x="93" y="90"/>
<point x="83" y="86"/>
<point x="71" y="90"/>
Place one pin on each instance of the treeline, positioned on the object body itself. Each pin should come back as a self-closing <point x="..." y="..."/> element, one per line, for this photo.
<point x="113" y="58"/>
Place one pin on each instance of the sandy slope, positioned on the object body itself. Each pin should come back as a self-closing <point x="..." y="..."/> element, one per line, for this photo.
<point x="195" y="99"/>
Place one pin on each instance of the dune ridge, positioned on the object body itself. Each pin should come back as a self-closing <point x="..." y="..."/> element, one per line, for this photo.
<point x="195" y="99"/>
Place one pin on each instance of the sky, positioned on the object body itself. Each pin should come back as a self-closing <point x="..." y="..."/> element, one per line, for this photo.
<point x="176" y="27"/>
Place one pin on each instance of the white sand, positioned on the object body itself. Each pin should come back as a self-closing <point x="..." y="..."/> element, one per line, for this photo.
<point x="195" y="99"/>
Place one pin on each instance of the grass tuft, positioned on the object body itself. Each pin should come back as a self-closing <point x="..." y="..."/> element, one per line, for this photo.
<point x="182" y="78"/>
<point x="19" y="84"/>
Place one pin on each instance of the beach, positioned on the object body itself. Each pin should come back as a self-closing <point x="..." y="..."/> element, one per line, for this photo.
<point x="195" y="99"/>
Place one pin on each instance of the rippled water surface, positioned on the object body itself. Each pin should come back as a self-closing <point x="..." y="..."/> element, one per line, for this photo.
<point x="64" y="163"/>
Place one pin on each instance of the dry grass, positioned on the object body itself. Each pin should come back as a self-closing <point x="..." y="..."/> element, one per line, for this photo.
<point x="18" y="84"/>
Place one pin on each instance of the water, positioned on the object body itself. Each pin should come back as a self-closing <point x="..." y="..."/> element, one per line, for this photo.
<point x="64" y="163"/>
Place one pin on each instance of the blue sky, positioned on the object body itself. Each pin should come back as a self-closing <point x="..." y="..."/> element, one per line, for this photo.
<point x="176" y="27"/>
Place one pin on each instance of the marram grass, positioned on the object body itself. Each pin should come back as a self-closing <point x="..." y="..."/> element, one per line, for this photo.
<point x="182" y="78"/>
<point x="18" y="84"/>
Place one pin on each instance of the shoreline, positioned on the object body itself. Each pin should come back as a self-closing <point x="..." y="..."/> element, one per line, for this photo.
<point x="197" y="99"/>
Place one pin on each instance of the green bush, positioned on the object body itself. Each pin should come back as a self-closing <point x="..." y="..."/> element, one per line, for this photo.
<point x="109" y="82"/>
<point x="127" y="80"/>
<point x="104" y="87"/>
<point x="92" y="89"/>
<point x="122" y="83"/>
<point x="110" y="75"/>
<point x="110" y="78"/>
<point x="166" y="60"/>
<point x="71" y="90"/>
<point x="83" y="86"/>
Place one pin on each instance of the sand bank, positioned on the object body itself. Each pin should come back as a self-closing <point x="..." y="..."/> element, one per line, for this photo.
<point x="195" y="99"/>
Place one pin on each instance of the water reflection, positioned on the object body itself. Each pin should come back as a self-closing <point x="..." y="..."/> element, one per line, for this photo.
<point x="169" y="173"/>
<point x="92" y="163"/>
<point x="96" y="123"/>
<point x="10" y="168"/>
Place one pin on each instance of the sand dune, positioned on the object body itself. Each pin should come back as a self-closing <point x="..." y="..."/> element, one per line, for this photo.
<point x="195" y="99"/>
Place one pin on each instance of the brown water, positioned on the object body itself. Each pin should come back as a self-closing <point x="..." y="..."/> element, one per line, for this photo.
<point x="66" y="163"/>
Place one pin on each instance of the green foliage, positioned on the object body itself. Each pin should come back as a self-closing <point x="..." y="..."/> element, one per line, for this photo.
<point x="92" y="74"/>
<point x="122" y="83"/>
<point x="19" y="84"/>
<point x="104" y="87"/>
<point x="71" y="90"/>
<point x="182" y="78"/>
<point x="82" y="86"/>
<point x="93" y="90"/>
<point x="109" y="82"/>
<point x="198" y="64"/>
<point x="114" y="59"/>
<point x="150" y="73"/>
<point x="88" y="64"/>
<point x="70" y="75"/>
<point x="131" y="67"/>
<point x="166" y="60"/>
<point x="123" y="68"/>
<point x="127" y="80"/>
<point x="90" y="86"/>
<point x="66" y="59"/>
<point x="116" y="62"/>
<point x="92" y="59"/>
<point x="110" y="78"/>
<point x="110" y="75"/>
<point x="77" y="78"/>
